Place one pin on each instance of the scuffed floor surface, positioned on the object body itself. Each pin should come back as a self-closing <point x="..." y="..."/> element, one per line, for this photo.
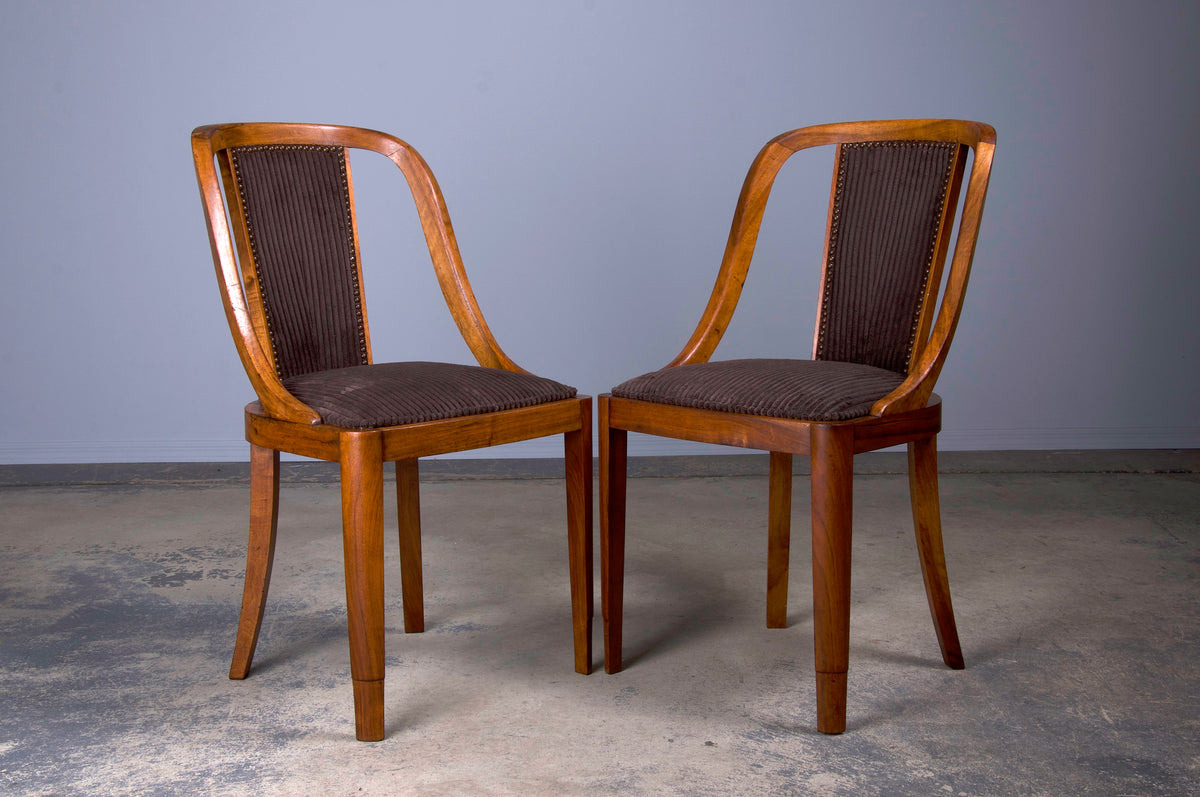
<point x="1077" y="595"/>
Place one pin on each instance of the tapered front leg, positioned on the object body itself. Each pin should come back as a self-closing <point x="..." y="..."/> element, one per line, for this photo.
<point x="578" y="453"/>
<point x="362" y="537"/>
<point x="779" y="531"/>
<point x="612" y="535"/>
<point x="832" y="497"/>
<point x="260" y="554"/>
<point x="408" y="512"/>
<point x="927" y="520"/>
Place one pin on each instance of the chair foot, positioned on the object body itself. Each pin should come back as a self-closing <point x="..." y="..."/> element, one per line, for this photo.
<point x="831" y="702"/>
<point x="368" y="711"/>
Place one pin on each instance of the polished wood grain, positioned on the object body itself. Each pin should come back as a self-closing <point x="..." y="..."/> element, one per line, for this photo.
<point x="577" y="453"/>
<point x="708" y="426"/>
<point x="923" y="486"/>
<point x="779" y="536"/>
<point x="260" y="555"/>
<point x="278" y="421"/>
<point x="910" y="414"/>
<point x="361" y="464"/>
<point x="613" y="447"/>
<point x="408" y="515"/>
<point x="832" y="459"/>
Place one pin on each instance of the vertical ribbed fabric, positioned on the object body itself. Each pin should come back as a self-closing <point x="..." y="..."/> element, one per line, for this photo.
<point x="296" y="201"/>
<point x="888" y="205"/>
<point x="391" y="394"/>
<point x="805" y="390"/>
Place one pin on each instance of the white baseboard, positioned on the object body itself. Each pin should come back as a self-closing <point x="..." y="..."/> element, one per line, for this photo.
<point x="1058" y="439"/>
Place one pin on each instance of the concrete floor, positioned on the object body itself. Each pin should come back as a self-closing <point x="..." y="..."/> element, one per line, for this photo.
<point x="1076" y="580"/>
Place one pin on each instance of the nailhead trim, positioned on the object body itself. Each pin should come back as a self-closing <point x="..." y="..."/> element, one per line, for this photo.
<point x="340" y="152"/>
<point x="834" y="228"/>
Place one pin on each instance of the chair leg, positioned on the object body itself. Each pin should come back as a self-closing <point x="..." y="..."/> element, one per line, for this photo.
<point x="613" y="444"/>
<point x="408" y="511"/>
<point x="923" y="486"/>
<point x="779" y="530"/>
<point x="362" y="537"/>
<point x="832" y="455"/>
<point x="578" y="454"/>
<point x="260" y="555"/>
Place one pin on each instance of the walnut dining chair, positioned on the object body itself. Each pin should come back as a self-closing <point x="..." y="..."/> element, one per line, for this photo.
<point x="279" y="204"/>
<point x="877" y="352"/>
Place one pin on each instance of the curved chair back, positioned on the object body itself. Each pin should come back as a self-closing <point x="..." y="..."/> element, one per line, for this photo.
<point x="890" y="226"/>
<point x="295" y="211"/>
<point x="279" y="203"/>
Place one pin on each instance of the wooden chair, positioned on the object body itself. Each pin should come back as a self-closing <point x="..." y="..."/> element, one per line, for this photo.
<point x="281" y="222"/>
<point x="876" y="355"/>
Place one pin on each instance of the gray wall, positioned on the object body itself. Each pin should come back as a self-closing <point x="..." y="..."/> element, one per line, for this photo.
<point x="591" y="153"/>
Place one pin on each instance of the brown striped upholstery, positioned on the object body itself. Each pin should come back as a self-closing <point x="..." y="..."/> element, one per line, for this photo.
<point x="808" y="390"/>
<point x="390" y="394"/>
<point x="297" y="205"/>
<point x="296" y="201"/>
<point x="887" y="209"/>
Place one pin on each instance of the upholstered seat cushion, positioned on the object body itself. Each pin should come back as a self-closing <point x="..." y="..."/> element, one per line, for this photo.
<point x="810" y="390"/>
<point x="391" y="394"/>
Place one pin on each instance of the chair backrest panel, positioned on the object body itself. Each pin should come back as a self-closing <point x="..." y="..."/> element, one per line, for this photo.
<point x="885" y="226"/>
<point x="296" y="204"/>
